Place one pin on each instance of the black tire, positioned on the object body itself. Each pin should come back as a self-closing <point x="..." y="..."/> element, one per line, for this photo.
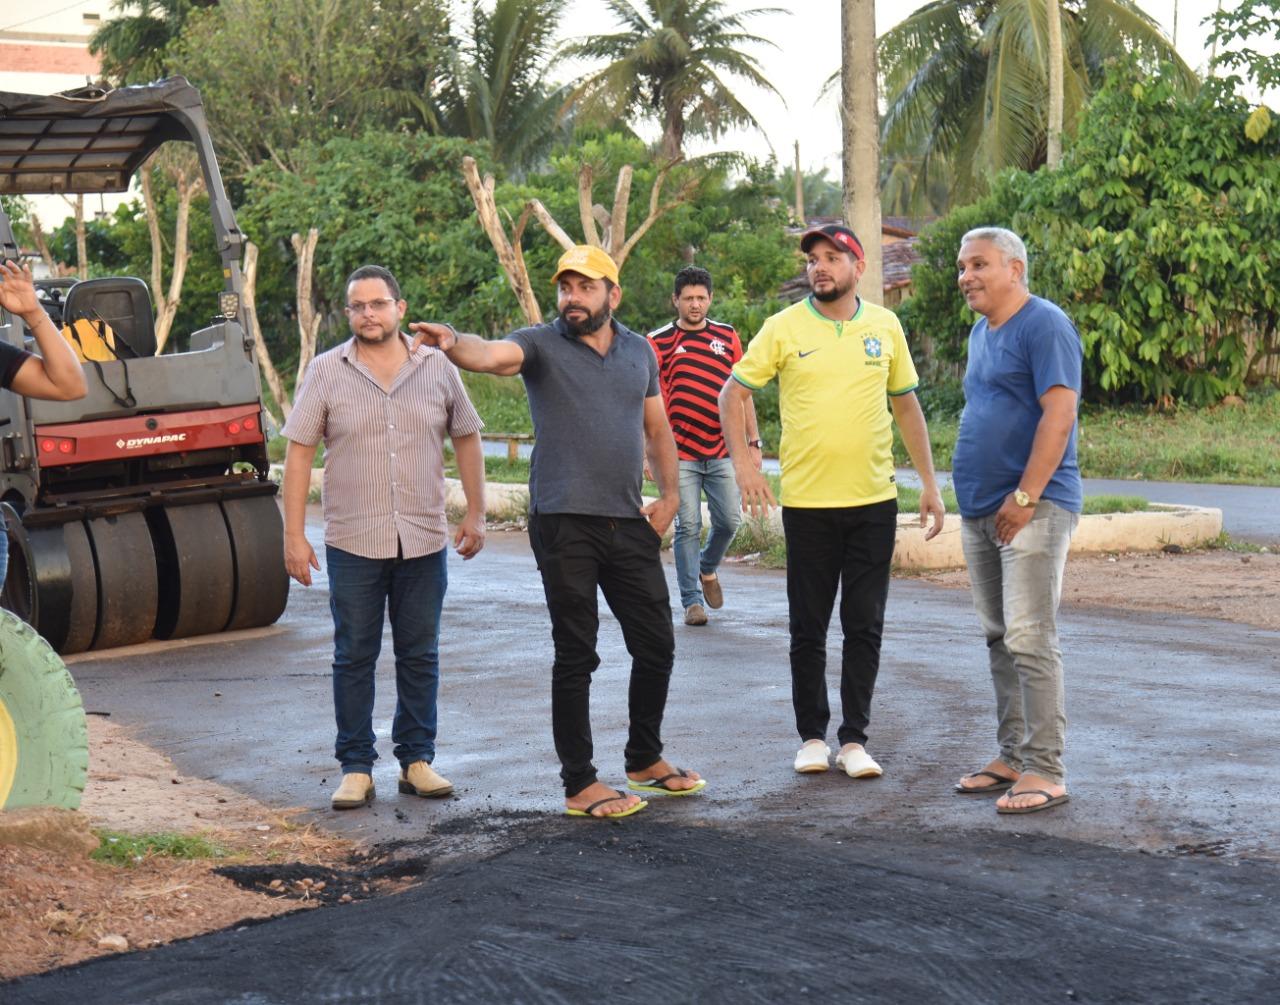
<point x="196" y="570"/>
<point x="51" y="582"/>
<point x="125" y="560"/>
<point x="44" y="743"/>
<point x="257" y="540"/>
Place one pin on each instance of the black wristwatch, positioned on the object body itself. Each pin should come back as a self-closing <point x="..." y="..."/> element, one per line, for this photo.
<point x="758" y="444"/>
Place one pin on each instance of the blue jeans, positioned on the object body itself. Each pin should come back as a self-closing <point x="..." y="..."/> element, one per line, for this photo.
<point x="1016" y="589"/>
<point x="716" y="479"/>
<point x="360" y="590"/>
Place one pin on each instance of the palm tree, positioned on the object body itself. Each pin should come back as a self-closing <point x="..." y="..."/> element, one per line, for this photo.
<point x="967" y="81"/>
<point x="667" y="64"/>
<point x="134" y="46"/>
<point x="861" y="134"/>
<point x="497" y="87"/>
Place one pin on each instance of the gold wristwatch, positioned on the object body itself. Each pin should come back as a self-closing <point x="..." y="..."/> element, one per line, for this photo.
<point x="1022" y="499"/>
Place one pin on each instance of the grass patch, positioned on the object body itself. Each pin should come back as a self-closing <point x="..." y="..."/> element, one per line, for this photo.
<point x="1225" y="542"/>
<point x="130" y="849"/>
<point x="759" y="538"/>
<point x="1095" y="505"/>
<point x="501" y="402"/>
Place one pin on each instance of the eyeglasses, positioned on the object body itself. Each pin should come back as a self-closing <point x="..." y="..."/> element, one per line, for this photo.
<point x="372" y="305"/>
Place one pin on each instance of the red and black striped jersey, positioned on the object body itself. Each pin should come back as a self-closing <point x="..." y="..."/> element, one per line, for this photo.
<point x="692" y="368"/>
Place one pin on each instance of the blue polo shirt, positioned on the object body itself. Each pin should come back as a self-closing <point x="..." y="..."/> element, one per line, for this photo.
<point x="1010" y="368"/>
<point x="588" y="419"/>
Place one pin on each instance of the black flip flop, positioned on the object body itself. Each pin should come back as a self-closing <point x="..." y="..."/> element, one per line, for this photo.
<point x="1050" y="800"/>
<point x="999" y="785"/>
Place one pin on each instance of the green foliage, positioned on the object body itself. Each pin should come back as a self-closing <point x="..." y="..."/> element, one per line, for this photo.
<point x="1159" y="235"/>
<point x="130" y="849"/>
<point x="966" y="85"/>
<point x="135" y="46"/>
<point x="497" y="89"/>
<point x="279" y="77"/>
<point x="501" y="402"/>
<point x="1114" y="504"/>
<point x="1234" y="25"/>
<point x="392" y="199"/>
<point x="667" y="64"/>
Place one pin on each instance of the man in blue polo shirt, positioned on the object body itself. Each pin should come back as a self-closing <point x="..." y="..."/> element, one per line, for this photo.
<point x="597" y="412"/>
<point x="1019" y="492"/>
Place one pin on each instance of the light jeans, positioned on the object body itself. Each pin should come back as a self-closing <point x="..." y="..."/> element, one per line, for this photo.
<point x="1016" y="590"/>
<point x="725" y="505"/>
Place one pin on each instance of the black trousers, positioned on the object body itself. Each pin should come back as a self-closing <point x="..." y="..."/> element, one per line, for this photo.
<point x="576" y="555"/>
<point x="849" y="548"/>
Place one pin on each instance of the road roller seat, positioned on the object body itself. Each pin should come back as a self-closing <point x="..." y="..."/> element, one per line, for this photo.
<point x="119" y="303"/>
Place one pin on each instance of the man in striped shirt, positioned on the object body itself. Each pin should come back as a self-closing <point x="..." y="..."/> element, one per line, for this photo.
<point x="382" y="409"/>
<point x="695" y="357"/>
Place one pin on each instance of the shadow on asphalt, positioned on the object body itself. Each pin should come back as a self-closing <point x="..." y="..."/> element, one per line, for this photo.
<point x="654" y="910"/>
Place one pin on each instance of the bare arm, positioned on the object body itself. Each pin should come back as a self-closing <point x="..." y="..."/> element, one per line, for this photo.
<point x="56" y="374"/>
<point x="470" y="352"/>
<point x="757" y="497"/>
<point x="915" y="435"/>
<point x="1053" y="431"/>
<point x="660" y="451"/>
<point x="756" y="452"/>
<point x="469" y="538"/>
<point x="299" y="556"/>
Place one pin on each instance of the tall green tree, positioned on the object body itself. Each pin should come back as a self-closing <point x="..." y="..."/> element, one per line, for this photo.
<point x="278" y="74"/>
<point x="667" y="64"/>
<point x="135" y="45"/>
<point x="497" y="88"/>
<point x="967" y="81"/>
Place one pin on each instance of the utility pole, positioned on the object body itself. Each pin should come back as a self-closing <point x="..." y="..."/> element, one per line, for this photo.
<point x="860" y="120"/>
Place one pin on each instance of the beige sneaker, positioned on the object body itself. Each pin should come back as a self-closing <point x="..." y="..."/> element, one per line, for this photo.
<point x="694" y="614"/>
<point x="355" y="791"/>
<point x="855" y="762"/>
<point x="420" y="779"/>
<point x="712" y="592"/>
<point x="813" y="757"/>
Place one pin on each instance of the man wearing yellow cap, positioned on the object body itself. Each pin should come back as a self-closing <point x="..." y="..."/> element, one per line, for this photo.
<point x="597" y="413"/>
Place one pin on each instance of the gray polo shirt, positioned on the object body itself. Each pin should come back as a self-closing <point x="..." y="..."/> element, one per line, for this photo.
<point x="588" y="419"/>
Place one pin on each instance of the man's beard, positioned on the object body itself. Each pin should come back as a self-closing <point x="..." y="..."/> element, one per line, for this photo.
<point x="384" y="335"/>
<point x="835" y="293"/>
<point x="592" y="322"/>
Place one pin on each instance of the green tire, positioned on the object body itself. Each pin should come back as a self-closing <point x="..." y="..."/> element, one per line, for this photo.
<point x="44" y="743"/>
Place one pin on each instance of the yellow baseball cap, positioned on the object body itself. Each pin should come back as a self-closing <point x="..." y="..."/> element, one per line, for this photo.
<point x="589" y="261"/>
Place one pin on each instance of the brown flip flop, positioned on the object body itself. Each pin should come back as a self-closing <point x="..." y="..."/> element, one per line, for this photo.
<point x="999" y="784"/>
<point x="1049" y="800"/>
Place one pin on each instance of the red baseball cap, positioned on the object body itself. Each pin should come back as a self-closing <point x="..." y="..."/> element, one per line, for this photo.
<point x="838" y="234"/>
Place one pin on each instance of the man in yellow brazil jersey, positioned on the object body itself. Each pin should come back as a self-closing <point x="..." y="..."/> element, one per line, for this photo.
<point x="836" y="358"/>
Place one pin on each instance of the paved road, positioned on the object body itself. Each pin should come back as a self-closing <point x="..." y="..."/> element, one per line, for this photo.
<point x="1160" y="881"/>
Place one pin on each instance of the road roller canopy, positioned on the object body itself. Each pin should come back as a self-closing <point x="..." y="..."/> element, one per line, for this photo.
<point x="92" y="139"/>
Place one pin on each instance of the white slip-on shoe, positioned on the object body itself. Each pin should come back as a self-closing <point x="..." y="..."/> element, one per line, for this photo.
<point x="812" y="757"/>
<point x="857" y="763"/>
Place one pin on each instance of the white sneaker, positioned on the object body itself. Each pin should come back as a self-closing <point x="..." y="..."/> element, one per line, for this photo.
<point x="857" y="763"/>
<point x="812" y="757"/>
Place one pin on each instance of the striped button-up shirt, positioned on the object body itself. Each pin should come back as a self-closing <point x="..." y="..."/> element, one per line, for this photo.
<point x="383" y="450"/>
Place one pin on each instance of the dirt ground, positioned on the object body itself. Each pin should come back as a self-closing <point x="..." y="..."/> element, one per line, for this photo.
<point x="1230" y="586"/>
<point x="61" y="908"/>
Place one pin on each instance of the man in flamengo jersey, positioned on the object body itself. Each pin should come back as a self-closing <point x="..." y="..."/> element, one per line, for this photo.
<point x="695" y="357"/>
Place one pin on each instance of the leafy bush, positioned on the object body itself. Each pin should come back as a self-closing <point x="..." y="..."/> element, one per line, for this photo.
<point x="1159" y="235"/>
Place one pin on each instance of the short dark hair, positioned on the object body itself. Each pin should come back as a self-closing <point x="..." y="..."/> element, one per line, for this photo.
<point x="691" y="275"/>
<point x="376" y="272"/>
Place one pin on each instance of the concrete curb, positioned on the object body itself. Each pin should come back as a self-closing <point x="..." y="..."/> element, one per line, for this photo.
<point x="1151" y="530"/>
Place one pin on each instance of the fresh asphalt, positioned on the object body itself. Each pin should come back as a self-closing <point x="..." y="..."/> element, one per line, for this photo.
<point x="1159" y="881"/>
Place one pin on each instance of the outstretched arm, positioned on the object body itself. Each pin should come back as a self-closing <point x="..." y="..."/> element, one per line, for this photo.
<point x="470" y="352"/>
<point x="56" y="373"/>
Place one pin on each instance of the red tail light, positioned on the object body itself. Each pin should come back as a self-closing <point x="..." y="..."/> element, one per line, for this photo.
<point x="57" y="445"/>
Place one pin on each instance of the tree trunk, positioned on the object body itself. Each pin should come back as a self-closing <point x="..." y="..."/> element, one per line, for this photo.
<point x="82" y="243"/>
<point x="188" y="185"/>
<point x="250" y="273"/>
<point x="308" y="319"/>
<point x="510" y="255"/>
<point x="861" y="128"/>
<point x="1054" y="140"/>
<point x="799" y="207"/>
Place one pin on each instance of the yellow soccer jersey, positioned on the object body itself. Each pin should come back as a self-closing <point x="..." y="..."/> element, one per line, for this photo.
<point x="833" y="376"/>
